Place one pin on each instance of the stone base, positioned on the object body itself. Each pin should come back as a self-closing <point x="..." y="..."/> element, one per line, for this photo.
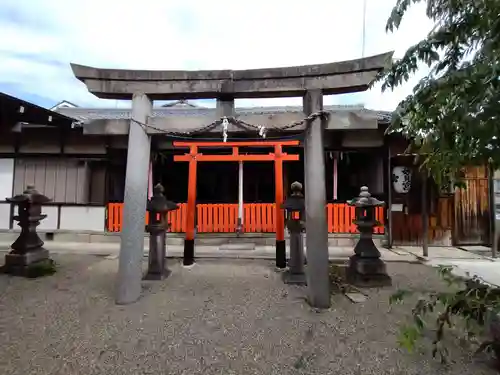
<point x="367" y="272"/>
<point x="157" y="276"/>
<point x="188" y="252"/>
<point x="280" y="254"/>
<point x="294" y="278"/>
<point x="19" y="260"/>
<point x="28" y="265"/>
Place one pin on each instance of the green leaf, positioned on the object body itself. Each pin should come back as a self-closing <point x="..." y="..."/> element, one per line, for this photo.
<point x="419" y="322"/>
<point x="399" y="295"/>
<point x="452" y="115"/>
<point x="408" y="336"/>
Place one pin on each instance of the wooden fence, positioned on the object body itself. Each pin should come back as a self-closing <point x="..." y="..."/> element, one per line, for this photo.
<point x="472" y="208"/>
<point x="257" y="218"/>
<point x="407" y="229"/>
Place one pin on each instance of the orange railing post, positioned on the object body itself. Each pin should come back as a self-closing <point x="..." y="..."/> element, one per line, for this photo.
<point x="258" y="218"/>
<point x="340" y="218"/>
<point x="115" y="212"/>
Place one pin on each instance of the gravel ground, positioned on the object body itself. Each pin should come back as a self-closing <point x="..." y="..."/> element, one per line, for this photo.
<point x="219" y="317"/>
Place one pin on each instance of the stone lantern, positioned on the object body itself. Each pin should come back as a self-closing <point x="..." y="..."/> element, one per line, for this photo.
<point x="365" y="266"/>
<point x="294" y="210"/>
<point x="28" y="249"/>
<point x="158" y="207"/>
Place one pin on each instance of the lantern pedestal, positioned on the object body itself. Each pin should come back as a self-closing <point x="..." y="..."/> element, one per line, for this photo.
<point x="366" y="269"/>
<point x="158" y="207"/>
<point x="294" y="207"/>
<point x="367" y="272"/>
<point x="27" y="250"/>
<point x="157" y="268"/>
<point x="21" y="264"/>
<point x="295" y="274"/>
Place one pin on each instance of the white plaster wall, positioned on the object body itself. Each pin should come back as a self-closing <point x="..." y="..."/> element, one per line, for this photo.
<point x="50" y="222"/>
<point x="6" y="178"/>
<point x="6" y="184"/>
<point x="4" y="215"/>
<point x="82" y="218"/>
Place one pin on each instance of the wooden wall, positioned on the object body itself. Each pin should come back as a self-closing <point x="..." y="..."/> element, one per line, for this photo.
<point x="62" y="180"/>
<point x="472" y="211"/>
<point x="407" y="228"/>
<point x="463" y="218"/>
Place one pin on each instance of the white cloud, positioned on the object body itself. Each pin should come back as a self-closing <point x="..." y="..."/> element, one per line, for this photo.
<point x="191" y="34"/>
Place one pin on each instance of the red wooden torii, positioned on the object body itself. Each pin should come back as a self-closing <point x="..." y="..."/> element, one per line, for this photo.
<point x="194" y="156"/>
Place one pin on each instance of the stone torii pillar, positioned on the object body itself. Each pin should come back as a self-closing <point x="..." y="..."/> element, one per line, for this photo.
<point x="128" y="288"/>
<point x="318" y="282"/>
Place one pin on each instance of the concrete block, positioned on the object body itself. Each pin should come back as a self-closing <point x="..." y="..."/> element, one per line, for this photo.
<point x="8" y="236"/>
<point x="71" y="237"/>
<point x="238" y="246"/>
<point x="105" y="237"/>
<point x="345" y="242"/>
<point x="356" y="297"/>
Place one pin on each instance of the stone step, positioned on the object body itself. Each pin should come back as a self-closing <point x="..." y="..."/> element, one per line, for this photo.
<point x="177" y="239"/>
<point x="237" y="246"/>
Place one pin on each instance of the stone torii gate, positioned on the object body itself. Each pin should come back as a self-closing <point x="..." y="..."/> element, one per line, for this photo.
<point x="142" y="87"/>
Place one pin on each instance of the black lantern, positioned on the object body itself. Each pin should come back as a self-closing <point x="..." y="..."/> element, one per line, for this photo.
<point x="28" y="247"/>
<point x="295" y="209"/>
<point x="365" y="266"/>
<point x="365" y="206"/>
<point x="158" y="207"/>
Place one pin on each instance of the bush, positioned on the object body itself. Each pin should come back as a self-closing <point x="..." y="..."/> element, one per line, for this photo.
<point x="470" y="306"/>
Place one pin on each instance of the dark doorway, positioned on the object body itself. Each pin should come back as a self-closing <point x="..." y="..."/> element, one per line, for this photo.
<point x="172" y="175"/>
<point x="217" y="182"/>
<point x="258" y="182"/>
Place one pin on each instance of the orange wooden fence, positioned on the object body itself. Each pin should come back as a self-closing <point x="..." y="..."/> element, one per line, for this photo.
<point x="257" y="218"/>
<point x="115" y="213"/>
<point x="341" y="215"/>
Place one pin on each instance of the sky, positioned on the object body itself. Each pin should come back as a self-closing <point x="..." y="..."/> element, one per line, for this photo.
<point x="41" y="37"/>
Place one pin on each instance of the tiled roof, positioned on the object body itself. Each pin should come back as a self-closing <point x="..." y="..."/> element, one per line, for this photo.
<point x="89" y="114"/>
<point x="180" y="104"/>
<point x="19" y="110"/>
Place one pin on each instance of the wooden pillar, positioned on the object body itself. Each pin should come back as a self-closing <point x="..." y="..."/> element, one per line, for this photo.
<point x="280" y="218"/>
<point x="388" y="184"/>
<point x="494" y="226"/>
<point x="335" y="175"/>
<point x="239" y="228"/>
<point x="425" y="214"/>
<point x="191" y="209"/>
<point x="286" y="182"/>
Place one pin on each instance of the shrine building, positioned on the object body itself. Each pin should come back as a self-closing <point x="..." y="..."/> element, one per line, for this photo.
<point x="234" y="166"/>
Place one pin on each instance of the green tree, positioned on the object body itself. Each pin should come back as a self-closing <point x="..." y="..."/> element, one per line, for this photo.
<point x="452" y="116"/>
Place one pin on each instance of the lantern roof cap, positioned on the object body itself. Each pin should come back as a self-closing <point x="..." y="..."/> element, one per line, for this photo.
<point x="294" y="203"/>
<point x="30" y="194"/>
<point x="365" y="199"/>
<point x="158" y="202"/>
<point x="296" y="187"/>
